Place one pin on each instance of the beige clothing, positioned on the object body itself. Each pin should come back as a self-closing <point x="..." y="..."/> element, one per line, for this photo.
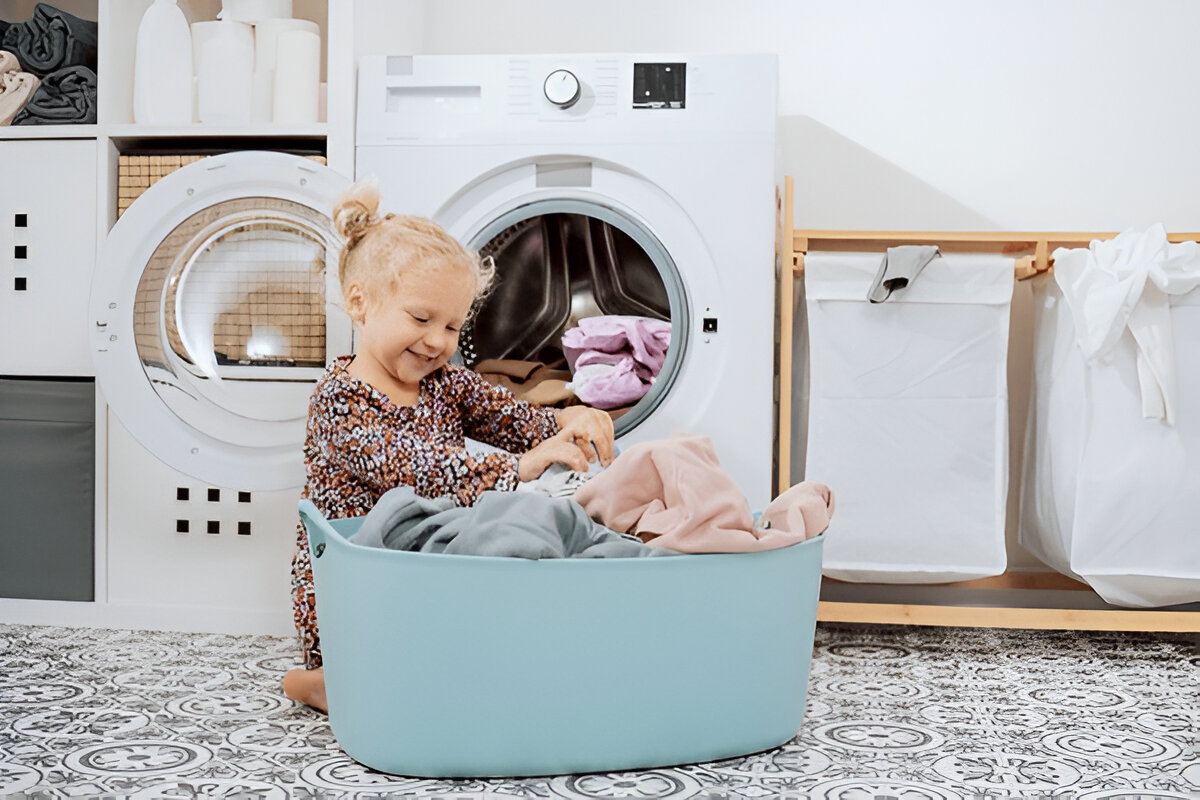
<point x="16" y="87"/>
<point x="673" y="494"/>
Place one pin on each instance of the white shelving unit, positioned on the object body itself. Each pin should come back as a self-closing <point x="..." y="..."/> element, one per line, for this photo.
<point x="115" y="134"/>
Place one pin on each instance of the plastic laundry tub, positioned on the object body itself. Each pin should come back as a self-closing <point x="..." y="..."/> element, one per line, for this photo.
<point x="449" y="666"/>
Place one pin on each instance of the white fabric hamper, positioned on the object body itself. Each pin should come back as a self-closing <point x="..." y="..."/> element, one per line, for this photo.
<point x="1109" y="495"/>
<point x="908" y="416"/>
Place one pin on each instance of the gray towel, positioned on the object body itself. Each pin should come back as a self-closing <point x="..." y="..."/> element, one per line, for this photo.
<point x="51" y="40"/>
<point x="899" y="268"/>
<point x="65" y="97"/>
<point x="522" y="525"/>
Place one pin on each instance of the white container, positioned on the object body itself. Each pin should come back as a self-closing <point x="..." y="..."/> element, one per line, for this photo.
<point x="266" y="37"/>
<point x="254" y="11"/>
<point x="162" y="79"/>
<point x="297" y="77"/>
<point x="225" y="81"/>
<point x="908" y="416"/>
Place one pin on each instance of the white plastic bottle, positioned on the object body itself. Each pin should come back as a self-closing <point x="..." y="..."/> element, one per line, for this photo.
<point x="225" y="78"/>
<point x="162" y="77"/>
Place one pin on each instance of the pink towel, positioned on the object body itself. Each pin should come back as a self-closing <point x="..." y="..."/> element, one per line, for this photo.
<point x="674" y="494"/>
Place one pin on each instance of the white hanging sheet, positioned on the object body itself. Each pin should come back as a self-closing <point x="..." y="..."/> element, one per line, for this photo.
<point x="908" y="416"/>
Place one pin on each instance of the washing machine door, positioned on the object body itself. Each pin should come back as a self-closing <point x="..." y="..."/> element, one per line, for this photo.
<point x="213" y="314"/>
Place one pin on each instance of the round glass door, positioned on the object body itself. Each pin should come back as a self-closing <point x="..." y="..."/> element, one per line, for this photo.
<point x="229" y="317"/>
<point x="560" y="262"/>
<point x="216" y="310"/>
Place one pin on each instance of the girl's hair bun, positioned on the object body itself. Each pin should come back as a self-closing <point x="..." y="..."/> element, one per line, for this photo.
<point x="354" y="211"/>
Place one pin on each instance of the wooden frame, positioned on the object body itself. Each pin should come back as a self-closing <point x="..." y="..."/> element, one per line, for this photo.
<point x="1031" y="252"/>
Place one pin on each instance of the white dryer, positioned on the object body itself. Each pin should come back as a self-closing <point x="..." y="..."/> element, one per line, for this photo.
<point x="214" y="310"/>
<point x="604" y="184"/>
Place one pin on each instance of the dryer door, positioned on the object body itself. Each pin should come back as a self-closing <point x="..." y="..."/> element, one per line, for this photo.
<point x="213" y="314"/>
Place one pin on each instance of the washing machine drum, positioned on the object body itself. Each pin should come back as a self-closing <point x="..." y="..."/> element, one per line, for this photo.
<point x="215" y="311"/>
<point x="560" y="261"/>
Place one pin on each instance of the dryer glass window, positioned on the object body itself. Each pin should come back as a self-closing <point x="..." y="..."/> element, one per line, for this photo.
<point x="560" y="262"/>
<point x="230" y="310"/>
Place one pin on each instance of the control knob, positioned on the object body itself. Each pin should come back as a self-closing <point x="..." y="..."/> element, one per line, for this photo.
<point x="562" y="88"/>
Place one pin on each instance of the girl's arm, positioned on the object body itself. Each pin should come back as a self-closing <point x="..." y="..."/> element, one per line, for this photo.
<point x="494" y="415"/>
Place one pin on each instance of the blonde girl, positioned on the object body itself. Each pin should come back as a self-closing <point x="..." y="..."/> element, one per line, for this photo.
<point x="396" y="412"/>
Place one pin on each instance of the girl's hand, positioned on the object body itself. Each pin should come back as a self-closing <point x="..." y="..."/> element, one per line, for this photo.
<point x="591" y="429"/>
<point x="558" y="449"/>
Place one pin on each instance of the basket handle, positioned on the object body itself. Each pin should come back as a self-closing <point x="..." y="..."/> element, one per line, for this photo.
<point x="314" y="526"/>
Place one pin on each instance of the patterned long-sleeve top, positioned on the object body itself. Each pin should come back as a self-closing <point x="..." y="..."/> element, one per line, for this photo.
<point x="359" y="444"/>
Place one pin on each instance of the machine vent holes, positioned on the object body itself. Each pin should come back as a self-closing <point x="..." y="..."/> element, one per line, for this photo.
<point x="243" y="497"/>
<point x="214" y="526"/>
<point x="20" y="251"/>
<point x="20" y="220"/>
<point x="243" y="529"/>
<point x="182" y="493"/>
<point x="214" y="495"/>
<point x="20" y="284"/>
<point x="182" y="526"/>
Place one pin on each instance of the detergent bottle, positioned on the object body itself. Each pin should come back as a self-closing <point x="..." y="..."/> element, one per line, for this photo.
<point x="162" y="77"/>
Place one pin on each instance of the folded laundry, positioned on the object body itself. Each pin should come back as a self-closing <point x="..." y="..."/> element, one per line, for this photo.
<point x="16" y="88"/>
<point x="644" y="338"/>
<point x="64" y="97"/>
<point x="899" y="268"/>
<point x="533" y="381"/>
<point x="673" y="493"/>
<point x="615" y="359"/>
<point x="513" y="524"/>
<point x="51" y="40"/>
<point x="608" y="385"/>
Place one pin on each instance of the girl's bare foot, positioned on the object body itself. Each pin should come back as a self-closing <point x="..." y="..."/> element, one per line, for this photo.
<point x="307" y="686"/>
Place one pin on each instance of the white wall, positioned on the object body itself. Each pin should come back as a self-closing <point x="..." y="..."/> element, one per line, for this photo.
<point x="926" y="114"/>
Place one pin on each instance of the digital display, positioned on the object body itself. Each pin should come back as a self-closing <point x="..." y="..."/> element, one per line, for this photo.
<point x="659" y="85"/>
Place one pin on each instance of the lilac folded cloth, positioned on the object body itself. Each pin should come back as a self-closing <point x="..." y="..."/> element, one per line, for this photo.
<point x="609" y="385"/>
<point x="614" y="359"/>
<point x="643" y="338"/>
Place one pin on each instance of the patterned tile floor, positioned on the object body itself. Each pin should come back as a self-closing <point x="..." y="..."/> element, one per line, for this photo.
<point x="902" y="713"/>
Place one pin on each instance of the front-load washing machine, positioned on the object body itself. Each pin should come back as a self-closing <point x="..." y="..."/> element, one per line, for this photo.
<point x="624" y="185"/>
<point x="214" y="311"/>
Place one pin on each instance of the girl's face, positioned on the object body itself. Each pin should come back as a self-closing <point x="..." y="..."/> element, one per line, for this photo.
<point x="406" y="335"/>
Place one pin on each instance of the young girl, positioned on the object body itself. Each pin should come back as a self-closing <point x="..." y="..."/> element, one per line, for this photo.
<point x="396" y="413"/>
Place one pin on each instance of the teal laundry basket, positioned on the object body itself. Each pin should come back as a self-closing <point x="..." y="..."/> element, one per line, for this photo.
<point x="470" y="666"/>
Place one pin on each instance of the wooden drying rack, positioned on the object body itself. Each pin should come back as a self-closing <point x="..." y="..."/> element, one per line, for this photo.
<point x="1031" y="253"/>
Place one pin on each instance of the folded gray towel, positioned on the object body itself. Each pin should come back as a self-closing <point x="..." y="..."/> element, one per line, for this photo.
<point x="51" y="40"/>
<point x="899" y="268"/>
<point x="65" y="97"/>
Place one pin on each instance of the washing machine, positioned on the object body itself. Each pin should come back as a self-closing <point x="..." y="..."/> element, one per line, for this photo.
<point x="214" y="311"/>
<point x="631" y="185"/>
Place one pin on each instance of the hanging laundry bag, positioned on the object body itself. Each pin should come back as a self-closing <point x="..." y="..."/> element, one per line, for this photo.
<point x="1111" y="478"/>
<point x="908" y="415"/>
<point x="451" y="665"/>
